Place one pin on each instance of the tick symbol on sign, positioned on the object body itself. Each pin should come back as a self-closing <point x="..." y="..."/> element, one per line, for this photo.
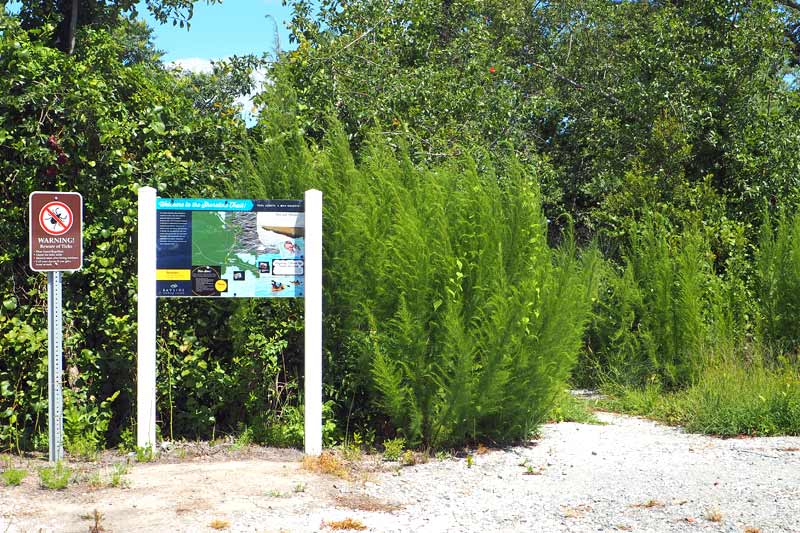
<point x="57" y="218"/>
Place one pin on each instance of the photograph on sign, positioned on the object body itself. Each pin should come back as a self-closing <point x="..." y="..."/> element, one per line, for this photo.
<point x="229" y="248"/>
<point x="55" y="230"/>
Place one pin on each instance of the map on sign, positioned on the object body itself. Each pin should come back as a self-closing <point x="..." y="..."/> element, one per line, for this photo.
<point x="230" y="248"/>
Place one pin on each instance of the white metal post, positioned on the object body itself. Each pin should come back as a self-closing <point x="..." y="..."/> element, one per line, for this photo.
<point x="313" y="322"/>
<point x="146" y="316"/>
<point x="55" y="412"/>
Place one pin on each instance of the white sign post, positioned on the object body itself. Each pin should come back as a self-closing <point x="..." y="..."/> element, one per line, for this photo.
<point x="146" y="309"/>
<point x="147" y="294"/>
<point x="313" y="323"/>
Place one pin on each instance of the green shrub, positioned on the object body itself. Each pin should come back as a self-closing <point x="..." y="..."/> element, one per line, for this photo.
<point x="468" y="321"/>
<point x="56" y="477"/>
<point x="393" y="448"/>
<point x="665" y="314"/>
<point x="13" y="476"/>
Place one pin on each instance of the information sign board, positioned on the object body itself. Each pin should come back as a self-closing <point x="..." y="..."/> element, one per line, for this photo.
<point x="56" y="231"/>
<point x="229" y="248"/>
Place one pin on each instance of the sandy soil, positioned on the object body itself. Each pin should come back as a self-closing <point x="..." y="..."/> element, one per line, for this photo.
<point x="630" y="474"/>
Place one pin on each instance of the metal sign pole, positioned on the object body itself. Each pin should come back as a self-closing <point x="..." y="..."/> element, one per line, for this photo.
<point x="54" y="374"/>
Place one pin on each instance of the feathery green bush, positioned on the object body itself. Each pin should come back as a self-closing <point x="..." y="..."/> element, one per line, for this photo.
<point x="664" y="314"/>
<point x="469" y="324"/>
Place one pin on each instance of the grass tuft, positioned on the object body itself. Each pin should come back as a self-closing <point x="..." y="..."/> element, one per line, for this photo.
<point x="13" y="476"/>
<point x="219" y="524"/>
<point x="56" y="477"/>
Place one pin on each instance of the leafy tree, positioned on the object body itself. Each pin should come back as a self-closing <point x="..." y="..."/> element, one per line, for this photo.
<point x="96" y="123"/>
<point x="68" y="16"/>
<point x="683" y="93"/>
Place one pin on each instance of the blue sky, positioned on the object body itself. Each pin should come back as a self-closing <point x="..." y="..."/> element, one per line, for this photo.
<point x="235" y="27"/>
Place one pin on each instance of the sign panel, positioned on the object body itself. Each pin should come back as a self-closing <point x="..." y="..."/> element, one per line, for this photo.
<point x="56" y="231"/>
<point x="229" y="248"/>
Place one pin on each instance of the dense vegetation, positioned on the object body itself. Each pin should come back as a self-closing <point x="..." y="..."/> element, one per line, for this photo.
<point x="519" y="197"/>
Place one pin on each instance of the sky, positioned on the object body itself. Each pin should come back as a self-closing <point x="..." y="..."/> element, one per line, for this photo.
<point x="235" y="27"/>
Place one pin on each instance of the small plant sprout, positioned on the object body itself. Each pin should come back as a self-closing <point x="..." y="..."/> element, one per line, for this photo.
<point x="393" y="448"/>
<point x="470" y="460"/>
<point x="55" y="477"/>
<point x="144" y="454"/>
<point x="13" y="476"/>
<point x="97" y="527"/>
<point x="300" y="487"/>
<point x="117" y="471"/>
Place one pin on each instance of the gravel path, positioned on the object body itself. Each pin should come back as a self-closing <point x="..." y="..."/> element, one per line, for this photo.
<point x="628" y="475"/>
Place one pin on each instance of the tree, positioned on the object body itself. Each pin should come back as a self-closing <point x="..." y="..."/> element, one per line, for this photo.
<point x="67" y="16"/>
<point x="677" y="93"/>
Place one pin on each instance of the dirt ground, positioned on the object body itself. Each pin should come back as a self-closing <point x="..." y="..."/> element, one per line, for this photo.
<point x="194" y="488"/>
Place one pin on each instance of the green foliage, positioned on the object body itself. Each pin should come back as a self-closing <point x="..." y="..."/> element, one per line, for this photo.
<point x="752" y="399"/>
<point x="86" y="423"/>
<point x="95" y="122"/>
<point x="117" y="473"/>
<point x="683" y="93"/>
<point x="144" y="454"/>
<point x="729" y="398"/>
<point x="393" y="448"/>
<point x="777" y="266"/>
<point x="469" y="320"/>
<point x="12" y="477"/>
<point x="55" y="477"/>
<point x="664" y="315"/>
<point x="568" y="408"/>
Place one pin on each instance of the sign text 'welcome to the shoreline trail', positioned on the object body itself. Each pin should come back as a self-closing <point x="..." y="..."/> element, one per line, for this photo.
<point x="230" y="248"/>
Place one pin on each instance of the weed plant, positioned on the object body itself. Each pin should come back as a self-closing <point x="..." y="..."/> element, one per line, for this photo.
<point x="13" y="476"/>
<point x="448" y="313"/>
<point x="56" y="477"/>
<point x="393" y="448"/>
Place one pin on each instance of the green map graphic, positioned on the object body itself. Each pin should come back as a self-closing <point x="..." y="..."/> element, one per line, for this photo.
<point x="220" y="238"/>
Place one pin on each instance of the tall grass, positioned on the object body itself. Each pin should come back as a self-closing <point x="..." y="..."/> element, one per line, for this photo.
<point x="754" y="398"/>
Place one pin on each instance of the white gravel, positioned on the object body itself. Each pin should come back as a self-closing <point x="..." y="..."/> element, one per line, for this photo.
<point x="628" y="475"/>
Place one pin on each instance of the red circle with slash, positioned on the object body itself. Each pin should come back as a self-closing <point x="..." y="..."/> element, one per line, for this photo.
<point x="56" y="218"/>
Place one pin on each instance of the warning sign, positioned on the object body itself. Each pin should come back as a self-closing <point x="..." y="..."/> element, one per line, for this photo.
<point x="56" y="239"/>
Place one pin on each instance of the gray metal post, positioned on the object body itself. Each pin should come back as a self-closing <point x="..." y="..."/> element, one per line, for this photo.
<point x="54" y="374"/>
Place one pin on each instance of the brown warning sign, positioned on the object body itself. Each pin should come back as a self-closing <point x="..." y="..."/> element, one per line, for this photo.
<point x="56" y="231"/>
